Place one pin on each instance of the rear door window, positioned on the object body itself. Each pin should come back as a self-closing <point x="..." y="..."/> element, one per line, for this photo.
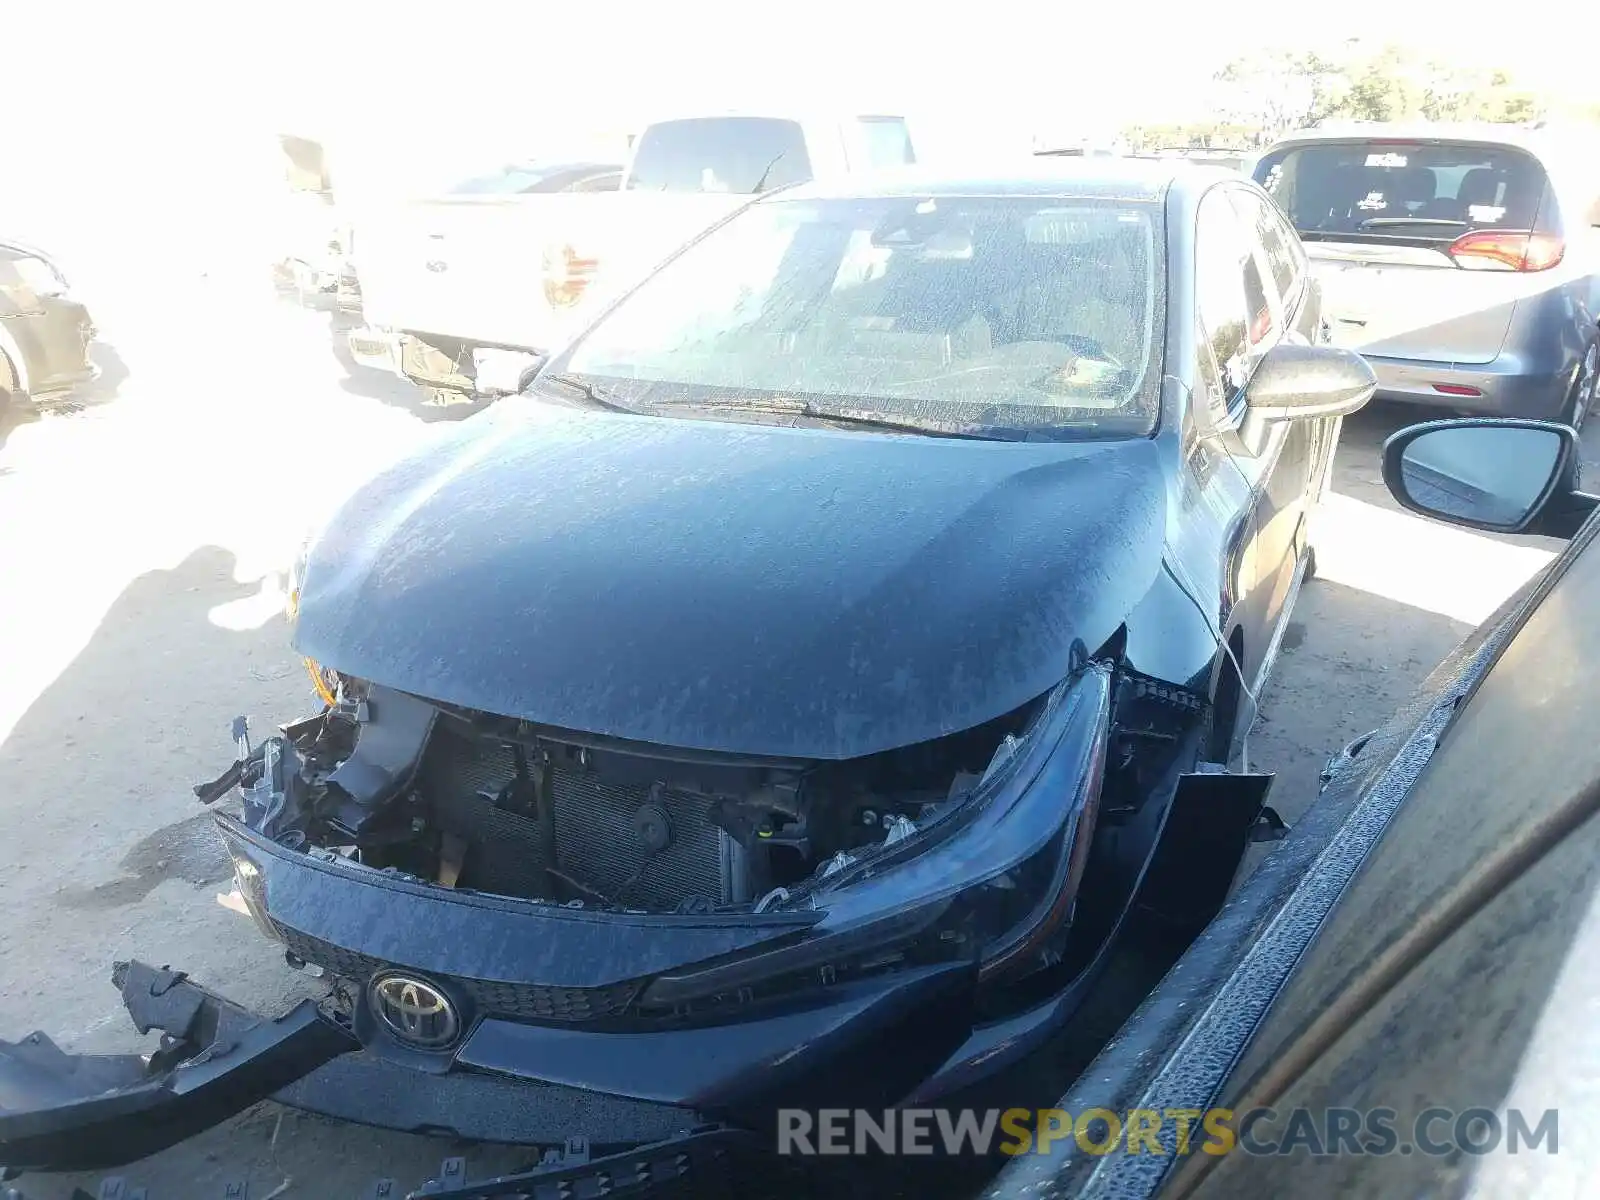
<point x="738" y="155"/>
<point x="887" y="142"/>
<point x="1426" y="193"/>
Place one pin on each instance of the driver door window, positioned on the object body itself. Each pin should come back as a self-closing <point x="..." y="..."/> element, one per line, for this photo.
<point x="1237" y="318"/>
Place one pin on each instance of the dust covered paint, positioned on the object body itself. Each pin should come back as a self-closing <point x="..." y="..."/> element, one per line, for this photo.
<point x="733" y="587"/>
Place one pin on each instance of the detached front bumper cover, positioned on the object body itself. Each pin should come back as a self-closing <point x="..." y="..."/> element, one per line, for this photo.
<point x="89" y="1112"/>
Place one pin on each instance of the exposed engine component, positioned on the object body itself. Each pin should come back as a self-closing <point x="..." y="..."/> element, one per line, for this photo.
<point x="474" y="801"/>
<point x="549" y="825"/>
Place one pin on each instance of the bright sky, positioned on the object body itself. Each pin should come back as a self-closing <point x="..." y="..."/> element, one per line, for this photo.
<point x="104" y="90"/>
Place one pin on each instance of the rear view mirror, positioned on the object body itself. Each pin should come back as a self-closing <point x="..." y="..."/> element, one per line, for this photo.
<point x="1494" y="474"/>
<point x="1294" y="381"/>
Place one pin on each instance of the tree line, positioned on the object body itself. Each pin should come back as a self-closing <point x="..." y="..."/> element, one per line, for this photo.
<point x="1262" y="96"/>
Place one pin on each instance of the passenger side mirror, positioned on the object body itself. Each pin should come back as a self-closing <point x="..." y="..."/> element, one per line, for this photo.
<point x="1294" y="381"/>
<point x="1498" y="474"/>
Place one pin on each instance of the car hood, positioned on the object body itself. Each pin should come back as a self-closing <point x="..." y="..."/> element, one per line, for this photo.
<point x="732" y="587"/>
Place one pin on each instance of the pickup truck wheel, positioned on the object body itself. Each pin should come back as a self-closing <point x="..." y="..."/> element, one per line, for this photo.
<point x="443" y="404"/>
<point x="438" y="397"/>
<point x="8" y="384"/>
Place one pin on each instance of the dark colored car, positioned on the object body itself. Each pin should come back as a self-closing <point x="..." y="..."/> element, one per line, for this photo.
<point x="44" y="333"/>
<point x="1399" y="1001"/>
<point x="1463" y="261"/>
<point x="782" y="701"/>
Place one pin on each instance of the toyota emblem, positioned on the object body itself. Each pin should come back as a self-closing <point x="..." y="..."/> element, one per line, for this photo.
<point x="415" y="1011"/>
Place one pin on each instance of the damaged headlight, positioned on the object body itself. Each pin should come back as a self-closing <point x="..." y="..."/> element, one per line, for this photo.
<point x="324" y="681"/>
<point x="993" y="881"/>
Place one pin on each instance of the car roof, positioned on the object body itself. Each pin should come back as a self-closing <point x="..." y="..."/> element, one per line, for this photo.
<point x="1131" y="179"/>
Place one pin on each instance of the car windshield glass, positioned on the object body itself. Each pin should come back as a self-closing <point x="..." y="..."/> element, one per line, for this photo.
<point x="1430" y="192"/>
<point x="741" y="155"/>
<point x="1027" y="313"/>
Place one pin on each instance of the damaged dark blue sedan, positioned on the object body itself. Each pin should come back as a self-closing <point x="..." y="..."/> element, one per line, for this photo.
<point x="783" y="701"/>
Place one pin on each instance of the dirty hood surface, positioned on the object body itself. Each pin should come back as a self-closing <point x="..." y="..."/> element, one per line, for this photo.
<point x="731" y="587"/>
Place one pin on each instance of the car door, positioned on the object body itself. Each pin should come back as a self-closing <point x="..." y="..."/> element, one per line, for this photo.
<point x="1242" y="316"/>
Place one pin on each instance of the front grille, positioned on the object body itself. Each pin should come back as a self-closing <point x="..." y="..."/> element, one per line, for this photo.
<point x="518" y="1001"/>
<point x="593" y="833"/>
<point x="531" y="1002"/>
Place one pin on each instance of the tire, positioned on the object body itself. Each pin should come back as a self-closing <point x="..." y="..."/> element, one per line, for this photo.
<point x="8" y="385"/>
<point x="438" y="397"/>
<point x="443" y="404"/>
<point x="1223" y="720"/>
<point x="1585" y="388"/>
<point x="1311" y="564"/>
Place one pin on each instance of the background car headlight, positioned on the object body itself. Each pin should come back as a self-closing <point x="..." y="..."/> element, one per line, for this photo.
<point x="992" y="883"/>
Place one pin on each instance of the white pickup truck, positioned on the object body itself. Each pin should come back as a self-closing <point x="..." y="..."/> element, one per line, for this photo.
<point x="465" y="294"/>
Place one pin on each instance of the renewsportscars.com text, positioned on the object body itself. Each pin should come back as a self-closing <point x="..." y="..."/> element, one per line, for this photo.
<point x="1173" y="1131"/>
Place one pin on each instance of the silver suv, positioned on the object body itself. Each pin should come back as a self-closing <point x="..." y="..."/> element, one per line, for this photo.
<point x="1462" y="261"/>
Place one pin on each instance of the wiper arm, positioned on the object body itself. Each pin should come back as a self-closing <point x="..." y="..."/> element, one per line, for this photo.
<point x="787" y="406"/>
<point x="762" y="182"/>
<point x="592" y="395"/>
<point x="1390" y="222"/>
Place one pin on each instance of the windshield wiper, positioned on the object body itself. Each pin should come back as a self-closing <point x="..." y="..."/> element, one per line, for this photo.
<point x="1387" y="222"/>
<point x="592" y="395"/>
<point x="762" y="182"/>
<point x="787" y="407"/>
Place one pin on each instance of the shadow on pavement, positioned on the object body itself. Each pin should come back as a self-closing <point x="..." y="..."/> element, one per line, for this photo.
<point x="130" y="868"/>
<point x="113" y="373"/>
<point x="1349" y="659"/>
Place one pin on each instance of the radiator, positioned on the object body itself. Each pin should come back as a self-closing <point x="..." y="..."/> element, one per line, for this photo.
<point x="596" y="840"/>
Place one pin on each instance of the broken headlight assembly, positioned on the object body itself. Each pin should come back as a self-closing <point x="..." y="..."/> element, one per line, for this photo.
<point x="991" y="881"/>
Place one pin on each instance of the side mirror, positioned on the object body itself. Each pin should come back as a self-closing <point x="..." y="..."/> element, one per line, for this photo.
<point x="1498" y="474"/>
<point x="1294" y="381"/>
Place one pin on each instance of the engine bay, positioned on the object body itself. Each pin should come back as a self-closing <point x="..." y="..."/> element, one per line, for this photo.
<point x="469" y="800"/>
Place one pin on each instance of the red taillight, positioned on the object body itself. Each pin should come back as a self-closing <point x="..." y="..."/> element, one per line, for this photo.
<point x="566" y="276"/>
<point x="1508" y="251"/>
<point x="1456" y="389"/>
